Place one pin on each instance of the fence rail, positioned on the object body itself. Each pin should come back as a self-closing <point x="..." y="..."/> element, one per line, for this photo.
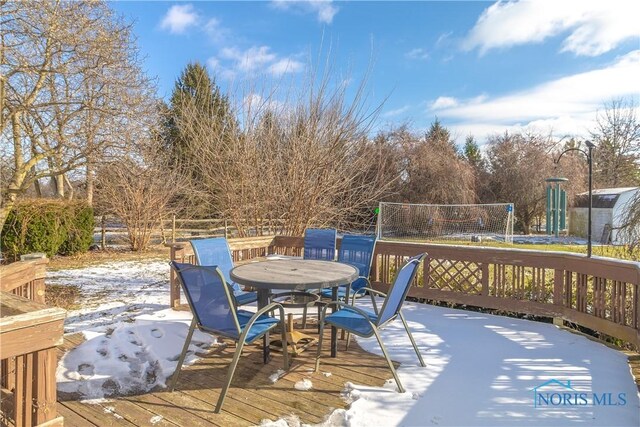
<point x="29" y="333"/>
<point x="174" y="229"/>
<point x="602" y="294"/>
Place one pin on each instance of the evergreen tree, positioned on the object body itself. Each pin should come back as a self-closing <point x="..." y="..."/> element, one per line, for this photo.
<point x="199" y="119"/>
<point x="440" y="135"/>
<point x="195" y="98"/>
<point x="472" y="154"/>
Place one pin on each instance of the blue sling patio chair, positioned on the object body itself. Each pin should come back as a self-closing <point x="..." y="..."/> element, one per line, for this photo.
<point x="320" y="244"/>
<point x="356" y="250"/>
<point x="214" y="312"/>
<point x="365" y="323"/>
<point x="215" y="251"/>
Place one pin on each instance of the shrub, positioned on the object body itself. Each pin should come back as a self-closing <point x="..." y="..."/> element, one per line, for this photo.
<point x="79" y="229"/>
<point x="49" y="226"/>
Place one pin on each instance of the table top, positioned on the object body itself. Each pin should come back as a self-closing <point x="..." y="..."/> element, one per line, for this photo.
<point x="294" y="274"/>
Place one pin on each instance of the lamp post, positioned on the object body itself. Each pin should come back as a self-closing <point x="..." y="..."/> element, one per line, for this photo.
<point x="587" y="153"/>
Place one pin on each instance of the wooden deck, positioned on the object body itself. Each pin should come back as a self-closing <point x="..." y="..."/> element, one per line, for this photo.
<point x="251" y="398"/>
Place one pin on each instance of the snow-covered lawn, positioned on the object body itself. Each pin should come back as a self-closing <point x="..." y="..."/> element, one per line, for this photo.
<point x="481" y="369"/>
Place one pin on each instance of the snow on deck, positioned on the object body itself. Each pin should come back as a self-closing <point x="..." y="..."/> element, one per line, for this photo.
<point x="481" y="369"/>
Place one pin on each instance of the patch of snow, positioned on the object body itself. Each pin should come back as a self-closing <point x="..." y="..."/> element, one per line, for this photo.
<point x="156" y="419"/>
<point x="111" y="410"/>
<point x="129" y="357"/>
<point x="276" y="375"/>
<point x="288" y="421"/>
<point x="304" y="384"/>
<point x="98" y="401"/>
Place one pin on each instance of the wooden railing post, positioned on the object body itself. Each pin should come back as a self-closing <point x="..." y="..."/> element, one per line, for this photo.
<point x="173" y="229"/>
<point x="177" y="252"/>
<point x="558" y="293"/>
<point x="485" y="278"/>
<point x="103" y="233"/>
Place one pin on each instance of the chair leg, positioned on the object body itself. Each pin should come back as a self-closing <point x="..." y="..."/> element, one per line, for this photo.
<point x="348" y="340"/>
<point x="413" y="342"/>
<point x="285" y="346"/>
<point x="389" y="362"/>
<point x="230" y="373"/>
<point x="176" y="373"/>
<point x="321" y="332"/>
<point x="304" y="318"/>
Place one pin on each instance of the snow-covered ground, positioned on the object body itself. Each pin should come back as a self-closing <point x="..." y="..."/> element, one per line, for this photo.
<point x="481" y="369"/>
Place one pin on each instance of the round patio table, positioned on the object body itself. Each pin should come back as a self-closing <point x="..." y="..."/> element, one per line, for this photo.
<point x="294" y="275"/>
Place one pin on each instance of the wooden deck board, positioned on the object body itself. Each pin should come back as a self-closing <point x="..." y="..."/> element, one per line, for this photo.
<point x="252" y="397"/>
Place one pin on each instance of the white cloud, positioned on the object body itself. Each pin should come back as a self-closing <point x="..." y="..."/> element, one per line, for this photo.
<point x="220" y="70"/>
<point x="232" y="61"/>
<point x="179" y="18"/>
<point x="396" y="112"/>
<point x="324" y="9"/>
<point x="284" y="66"/>
<point x="254" y="103"/>
<point x="216" y="32"/>
<point x="417" y="53"/>
<point x="568" y="105"/>
<point x="252" y="59"/>
<point x="594" y="26"/>
<point x="444" y="102"/>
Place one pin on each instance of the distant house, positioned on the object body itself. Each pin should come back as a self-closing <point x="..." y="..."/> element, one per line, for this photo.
<point x="610" y="206"/>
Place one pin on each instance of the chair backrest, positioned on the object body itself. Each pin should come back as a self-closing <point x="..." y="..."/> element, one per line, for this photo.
<point x="320" y="243"/>
<point x="357" y="250"/>
<point x="399" y="289"/>
<point x="215" y="251"/>
<point x="209" y="298"/>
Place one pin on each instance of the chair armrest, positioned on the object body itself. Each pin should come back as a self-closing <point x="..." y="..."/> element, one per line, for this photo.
<point x="259" y="313"/>
<point x="371" y="293"/>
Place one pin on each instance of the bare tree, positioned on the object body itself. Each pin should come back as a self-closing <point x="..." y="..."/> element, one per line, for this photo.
<point x="617" y="138"/>
<point x="67" y="69"/>
<point x="435" y="173"/>
<point x="301" y="159"/>
<point x="139" y="188"/>
<point x="519" y="164"/>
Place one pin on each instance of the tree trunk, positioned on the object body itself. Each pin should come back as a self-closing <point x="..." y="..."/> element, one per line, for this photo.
<point x="59" y="185"/>
<point x="71" y="189"/>
<point x="20" y="172"/>
<point x="90" y="182"/>
<point x="38" y="190"/>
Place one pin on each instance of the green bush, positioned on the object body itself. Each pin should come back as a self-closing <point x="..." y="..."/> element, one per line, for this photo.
<point x="49" y="226"/>
<point x="79" y="230"/>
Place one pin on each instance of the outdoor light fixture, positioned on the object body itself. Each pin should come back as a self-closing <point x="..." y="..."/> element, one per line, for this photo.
<point x="587" y="153"/>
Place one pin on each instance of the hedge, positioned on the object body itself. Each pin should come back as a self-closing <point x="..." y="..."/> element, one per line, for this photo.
<point x="49" y="226"/>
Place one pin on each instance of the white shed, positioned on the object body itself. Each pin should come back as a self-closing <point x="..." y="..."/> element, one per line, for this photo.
<point x="609" y="208"/>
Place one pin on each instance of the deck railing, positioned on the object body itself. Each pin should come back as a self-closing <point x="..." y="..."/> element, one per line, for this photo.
<point x="29" y="333"/>
<point x="602" y="294"/>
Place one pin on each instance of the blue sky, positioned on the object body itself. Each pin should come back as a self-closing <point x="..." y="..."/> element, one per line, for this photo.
<point x="480" y="67"/>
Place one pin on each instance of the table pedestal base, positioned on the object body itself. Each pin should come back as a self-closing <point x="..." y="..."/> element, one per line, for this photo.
<point x="297" y="341"/>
